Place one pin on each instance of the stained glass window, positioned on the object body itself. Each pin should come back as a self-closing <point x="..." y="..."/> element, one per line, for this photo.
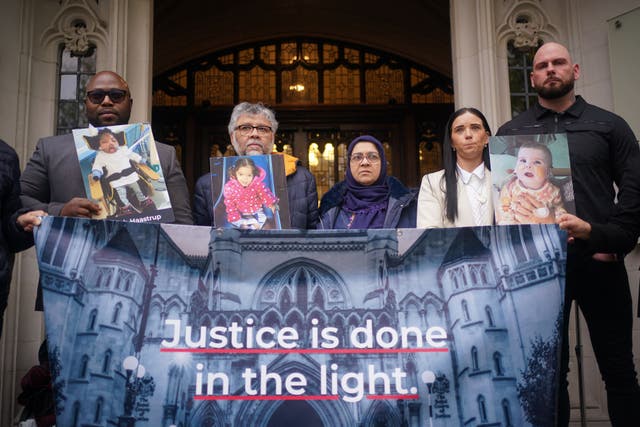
<point x="173" y="93"/>
<point x="384" y="86"/>
<point x="342" y="86"/>
<point x="300" y="71"/>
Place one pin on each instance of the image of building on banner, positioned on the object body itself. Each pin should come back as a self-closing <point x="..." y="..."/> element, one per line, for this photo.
<point x="162" y="325"/>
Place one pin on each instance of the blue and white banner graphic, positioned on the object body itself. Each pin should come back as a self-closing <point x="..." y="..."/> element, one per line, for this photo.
<point x="169" y="325"/>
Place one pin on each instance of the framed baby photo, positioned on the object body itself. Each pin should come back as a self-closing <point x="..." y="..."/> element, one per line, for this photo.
<point x="121" y="172"/>
<point x="250" y="192"/>
<point x="531" y="178"/>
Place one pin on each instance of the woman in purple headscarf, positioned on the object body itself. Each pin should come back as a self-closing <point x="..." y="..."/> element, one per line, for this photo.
<point x="367" y="198"/>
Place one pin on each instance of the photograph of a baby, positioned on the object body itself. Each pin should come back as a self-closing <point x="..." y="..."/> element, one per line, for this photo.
<point x="122" y="172"/>
<point x="116" y="163"/>
<point x="246" y="196"/>
<point x="531" y="190"/>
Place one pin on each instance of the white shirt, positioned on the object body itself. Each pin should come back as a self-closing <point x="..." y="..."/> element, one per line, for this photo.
<point x="476" y="191"/>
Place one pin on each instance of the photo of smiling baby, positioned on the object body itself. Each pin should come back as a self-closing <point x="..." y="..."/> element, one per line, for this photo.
<point x="533" y="185"/>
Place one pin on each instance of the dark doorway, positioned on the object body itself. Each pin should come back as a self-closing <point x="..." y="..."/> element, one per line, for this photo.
<point x="294" y="413"/>
<point x="325" y="93"/>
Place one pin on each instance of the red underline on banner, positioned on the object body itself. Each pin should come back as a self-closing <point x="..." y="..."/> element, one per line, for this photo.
<point x="304" y="350"/>
<point x="284" y="397"/>
<point x="393" y="396"/>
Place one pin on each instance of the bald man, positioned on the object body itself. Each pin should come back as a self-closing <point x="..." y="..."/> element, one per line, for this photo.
<point x="52" y="180"/>
<point x="603" y="151"/>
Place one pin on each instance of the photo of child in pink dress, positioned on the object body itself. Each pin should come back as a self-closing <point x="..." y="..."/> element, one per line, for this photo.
<point x="246" y="196"/>
<point x="531" y="181"/>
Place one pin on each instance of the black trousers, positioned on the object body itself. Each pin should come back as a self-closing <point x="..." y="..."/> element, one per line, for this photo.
<point x="601" y="290"/>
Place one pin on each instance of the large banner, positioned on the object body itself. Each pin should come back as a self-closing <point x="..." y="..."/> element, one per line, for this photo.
<point x="167" y="325"/>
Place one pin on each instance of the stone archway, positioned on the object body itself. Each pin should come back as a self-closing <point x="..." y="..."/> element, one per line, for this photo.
<point x="291" y="412"/>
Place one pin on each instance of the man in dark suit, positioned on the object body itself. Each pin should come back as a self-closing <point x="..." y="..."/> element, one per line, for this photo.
<point x="52" y="180"/>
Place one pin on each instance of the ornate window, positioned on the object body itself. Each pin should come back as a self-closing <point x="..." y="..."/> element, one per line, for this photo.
<point x="305" y="75"/>
<point x="301" y="71"/>
<point x="57" y="244"/>
<point x="103" y="277"/>
<point x="497" y="364"/>
<point x="526" y="252"/>
<point x="474" y="359"/>
<point x="75" y="414"/>
<point x="116" y="313"/>
<point x="482" y="409"/>
<point x="91" y="325"/>
<point x="124" y="280"/>
<point x="465" y="311"/>
<point x="106" y="362"/>
<point x="74" y="71"/>
<point x="489" y="313"/>
<point x="97" y="416"/>
<point x="84" y="366"/>
<point x="520" y="52"/>
<point x="520" y="66"/>
<point x="506" y="413"/>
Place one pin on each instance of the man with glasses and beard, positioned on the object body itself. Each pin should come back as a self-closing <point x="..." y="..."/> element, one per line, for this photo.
<point x="603" y="152"/>
<point x="52" y="180"/>
<point x="252" y="130"/>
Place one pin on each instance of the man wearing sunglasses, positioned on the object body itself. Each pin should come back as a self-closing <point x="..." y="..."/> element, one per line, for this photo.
<point x="52" y="180"/>
<point x="252" y="130"/>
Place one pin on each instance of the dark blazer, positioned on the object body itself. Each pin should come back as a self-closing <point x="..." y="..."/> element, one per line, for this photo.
<point x="12" y="237"/>
<point x="53" y="177"/>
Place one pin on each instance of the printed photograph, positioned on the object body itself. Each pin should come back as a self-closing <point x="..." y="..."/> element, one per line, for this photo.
<point x="122" y="172"/>
<point x="531" y="177"/>
<point x="249" y="192"/>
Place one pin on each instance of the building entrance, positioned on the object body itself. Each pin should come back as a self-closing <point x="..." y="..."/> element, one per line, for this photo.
<point x="324" y="92"/>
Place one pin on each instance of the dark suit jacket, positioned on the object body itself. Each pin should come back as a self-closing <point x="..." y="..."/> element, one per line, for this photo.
<point x="53" y="177"/>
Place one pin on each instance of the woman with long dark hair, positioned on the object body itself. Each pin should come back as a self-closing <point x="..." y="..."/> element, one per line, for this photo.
<point x="460" y="194"/>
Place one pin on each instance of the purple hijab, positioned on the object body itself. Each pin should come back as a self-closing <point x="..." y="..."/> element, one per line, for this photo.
<point x="367" y="203"/>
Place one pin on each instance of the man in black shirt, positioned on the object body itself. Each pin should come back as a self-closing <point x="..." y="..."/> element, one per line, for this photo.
<point x="603" y="152"/>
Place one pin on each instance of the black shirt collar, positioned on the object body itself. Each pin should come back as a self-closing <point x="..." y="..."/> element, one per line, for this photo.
<point x="575" y="110"/>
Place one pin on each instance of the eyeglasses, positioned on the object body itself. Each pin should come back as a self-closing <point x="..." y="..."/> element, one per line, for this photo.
<point x="246" y="130"/>
<point x="115" y="95"/>
<point x="372" y="157"/>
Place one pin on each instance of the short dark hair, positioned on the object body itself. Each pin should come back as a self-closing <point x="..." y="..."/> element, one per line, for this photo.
<point x="243" y="162"/>
<point x="94" y="141"/>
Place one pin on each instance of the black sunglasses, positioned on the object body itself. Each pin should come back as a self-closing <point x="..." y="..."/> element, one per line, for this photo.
<point x="115" y="95"/>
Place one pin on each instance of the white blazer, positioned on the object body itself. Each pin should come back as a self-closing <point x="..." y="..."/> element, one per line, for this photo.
<point x="432" y="211"/>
